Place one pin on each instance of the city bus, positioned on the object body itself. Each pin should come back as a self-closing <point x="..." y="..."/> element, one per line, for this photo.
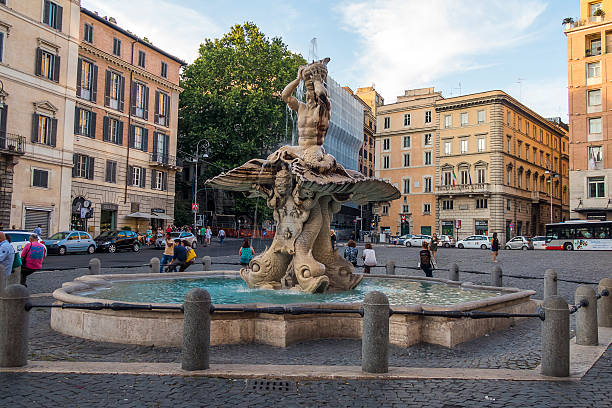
<point x="579" y="235"/>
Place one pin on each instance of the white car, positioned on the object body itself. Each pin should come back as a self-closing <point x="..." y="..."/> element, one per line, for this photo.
<point x="182" y="235"/>
<point x="19" y="239"/>
<point x="417" y="240"/>
<point x="539" y="242"/>
<point x="474" y="241"/>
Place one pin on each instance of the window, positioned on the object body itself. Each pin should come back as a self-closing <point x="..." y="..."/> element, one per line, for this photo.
<point x="509" y="176"/>
<point x="111" y="171"/>
<point x="88" y="33"/>
<point x="386" y="144"/>
<point x="164" y="74"/>
<point x="481" y="143"/>
<point x="113" y="131"/>
<point x="52" y="15"/>
<point x="161" y="142"/>
<point x="534" y="131"/>
<point x="481" y="203"/>
<point x="508" y="205"/>
<point x="595" y="47"/>
<point x="159" y="180"/>
<point x="464" y="145"/>
<point x="519" y="180"/>
<point x="427" y="116"/>
<point x="465" y="177"/>
<point x="406" y="160"/>
<point x="162" y="109"/>
<point x="593" y="69"/>
<point x="427" y="139"/>
<point x="509" y="145"/>
<point x="464" y="119"/>
<point x="594" y="97"/>
<point x="595" y="157"/>
<point x="448" y="147"/>
<point x="595" y="187"/>
<point x="448" y="121"/>
<point x="519" y="148"/>
<point x="44" y="130"/>
<point x="87" y="80"/>
<point x="40" y="178"/>
<point x="447" y="204"/>
<point x="520" y="124"/>
<point x="508" y="117"/>
<point x="527" y="128"/>
<point x="83" y="166"/>
<point x="526" y="152"/>
<point x="385" y="162"/>
<point x="85" y="123"/>
<point x="427" y="184"/>
<point x="114" y="90"/>
<point x="481" y="176"/>
<point x="426" y="208"/>
<point x="387" y="122"/>
<point x="141" y="59"/>
<point x="385" y="210"/>
<point x="594" y="125"/>
<point x="139" y="138"/>
<point x="447" y="178"/>
<point x="406" y="186"/>
<point x="47" y="65"/>
<point x="406" y="141"/>
<point x="427" y="158"/>
<point x="541" y="158"/>
<point x="137" y="176"/>
<point x="117" y="47"/>
<point x="481" y="116"/>
<point x="405" y="208"/>
<point x="407" y="119"/>
<point x="1" y="46"/>
<point x="593" y="7"/>
<point x="140" y="100"/>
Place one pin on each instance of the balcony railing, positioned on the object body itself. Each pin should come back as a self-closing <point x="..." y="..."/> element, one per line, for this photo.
<point x="13" y="144"/>
<point x="163" y="160"/>
<point x="463" y="188"/>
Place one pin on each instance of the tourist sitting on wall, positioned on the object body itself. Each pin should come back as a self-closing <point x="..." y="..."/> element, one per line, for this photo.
<point x="191" y="256"/>
<point x="179" y="258"/>
<point x="246" y="253"/>
<point x="350" y="252"/>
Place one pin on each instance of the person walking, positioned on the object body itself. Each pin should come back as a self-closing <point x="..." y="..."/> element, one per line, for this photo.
<point x="168" y="252"/>
<point x="221" y="236"/>
<point x="32" y="256"/>
<point x="37" y="231"/>
<point x="332" y="237"/>
<point x="350" y="252"/>
<point x="201" y="235"/>
<point x="369" y="258"/>
<point x="246" y="253"/>
<point x="7" y="254"/>
<point x="425" y="260"/>
<point x="179" y="259"/>
<point x="207" y="235"/>
<point x="433" y="247"/>
<point x="495" y="246"/>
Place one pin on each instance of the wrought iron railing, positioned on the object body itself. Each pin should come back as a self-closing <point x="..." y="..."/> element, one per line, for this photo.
<point x="12" y="143"/>
<point x="163" y="159"/>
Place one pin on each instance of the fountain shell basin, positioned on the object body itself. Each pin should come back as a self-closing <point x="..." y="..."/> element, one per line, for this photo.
<point x="164" y="328"/>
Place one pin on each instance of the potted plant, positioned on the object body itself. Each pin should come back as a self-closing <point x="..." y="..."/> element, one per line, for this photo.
<point x="568" y="21"/>
<point x="599" y="14"/>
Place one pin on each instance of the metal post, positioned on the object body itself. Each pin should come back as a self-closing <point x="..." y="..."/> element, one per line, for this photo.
<point x="154" y="265"/>
<point x="375" y="333"/>
<point x="550" y="283"/>
<point x="390" y="268"/>
<point x="586" y="316"/>
<point x="555" y="337"/>
<point x="94" y="266"/>
<point x="196" y="330"/>
<point x="496" y="276"/>
<point x="453" y="273"/>
<point x="14" y="326"/>
<point x="604" y="304"/>
<point x="195" y="190"/>
<point x="206" y="263"/>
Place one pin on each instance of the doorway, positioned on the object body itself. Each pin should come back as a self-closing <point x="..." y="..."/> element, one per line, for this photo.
<point x="108" y="220"/>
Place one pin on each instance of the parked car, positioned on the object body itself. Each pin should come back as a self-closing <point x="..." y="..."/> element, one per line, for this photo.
<point x="417" y="240"/>
<point x="474" y="241"/>
<point x="113" y="241"/>
<point x="519" y="242"/>
<point x="539" y="242"/>
<point x="178" y="235"/>
<point x="401" y="240"/>
<point x="71" y="241"/>
<point x="447" y="241"/>
<point x="19" y="238"/>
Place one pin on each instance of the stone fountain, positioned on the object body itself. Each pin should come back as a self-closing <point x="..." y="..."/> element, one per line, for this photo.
<point x="304" y="186"/>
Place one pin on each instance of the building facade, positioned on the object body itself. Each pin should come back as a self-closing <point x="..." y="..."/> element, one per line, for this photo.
<point x="496" y="158"/>
<point x="125" y="129"/>
<point x="38" y="61"/>
<point x="406" y="157"/>
<point x="589" y="48"/>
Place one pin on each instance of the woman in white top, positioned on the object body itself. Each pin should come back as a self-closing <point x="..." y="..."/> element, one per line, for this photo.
<point x="369" y="258"/>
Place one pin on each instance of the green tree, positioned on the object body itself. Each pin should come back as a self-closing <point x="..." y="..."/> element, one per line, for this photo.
<point x="232" y="99"/>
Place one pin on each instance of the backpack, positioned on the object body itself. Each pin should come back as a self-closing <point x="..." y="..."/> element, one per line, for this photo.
<point x="425" y="258"/>
<point x="190" y="255"/>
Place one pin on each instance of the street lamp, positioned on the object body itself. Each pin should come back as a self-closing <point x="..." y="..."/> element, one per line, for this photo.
<point x="552" y="175"/>
<point x="195" y="190"/>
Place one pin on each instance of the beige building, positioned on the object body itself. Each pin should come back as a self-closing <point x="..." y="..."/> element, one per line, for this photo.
<point x="38" y="61"/>
<point x="406" y="157"/>
<point x="495" y="162"/>
<point x="589" y="48"/>
<point x="125" y="129"/>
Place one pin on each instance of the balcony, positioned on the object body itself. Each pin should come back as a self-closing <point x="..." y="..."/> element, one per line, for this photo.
<point x="12" y="144"/>
<point x="463" y="189"/>
<point x="163" y="160"/>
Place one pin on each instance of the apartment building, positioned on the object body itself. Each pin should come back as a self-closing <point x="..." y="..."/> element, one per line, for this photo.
<point x="589" y="48"/>
<point x="125" y="129"/>
<point x="38" y="60"/>
<point x="495" y="162"/>
<point x="406" y="157"/>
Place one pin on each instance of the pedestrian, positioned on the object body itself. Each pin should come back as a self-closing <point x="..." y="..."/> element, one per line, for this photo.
<point x="425" y="260"/>
<point x="433" y="247"/>
<point x="32" y="256"/>
<point x="351" y="251"/>
<point x="332" y="236"/>
<point x="168" y="252"/>
<point x="369" y="258"/>
<point x="37" y="231"/>
<point x="7" y="254"/>
<point x="202" y="236"/>
<point x="208" y="235"/>
<point x="221" y="236"/>
<point x="495" y="246"/>
<point x="179" y="259"/>
<point x="246" y="253"/>
<point x="169" y="229"/>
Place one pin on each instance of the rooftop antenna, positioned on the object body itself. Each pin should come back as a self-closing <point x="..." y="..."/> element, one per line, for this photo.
<point x="313" y="52"/>
<point x="520" y="82"/>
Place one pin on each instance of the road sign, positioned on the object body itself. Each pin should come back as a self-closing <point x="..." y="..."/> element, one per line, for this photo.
<point x="195" y="207"/>
<point x="403" y="217"/>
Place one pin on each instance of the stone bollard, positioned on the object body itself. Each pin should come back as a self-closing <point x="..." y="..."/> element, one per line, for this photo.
<point x="94" y="266"/>
<point x="496" y="276"/>
<point x="555" y="337"/>
<point x="375" y="333"/>
<point x="390" y="268"/>
<point x="604" y="304"/>
<point x="453" y="273"/>
<point x="586" y="316"/>
<point x="196" y="330"/>
<point x="154" y="265"/>
<point x="550" y="283"/>
<point x="206" y="263"/>
<point x="14" y="326"/>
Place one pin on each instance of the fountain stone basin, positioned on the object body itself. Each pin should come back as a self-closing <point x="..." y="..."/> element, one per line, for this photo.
<point x="165" y="328"/>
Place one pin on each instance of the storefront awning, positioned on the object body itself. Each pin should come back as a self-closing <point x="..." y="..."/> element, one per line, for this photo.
<point x="161" y="216"/>
<point x="140" y="215"/>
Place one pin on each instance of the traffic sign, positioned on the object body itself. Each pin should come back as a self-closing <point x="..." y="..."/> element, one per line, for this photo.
<point x="195" y="207"/>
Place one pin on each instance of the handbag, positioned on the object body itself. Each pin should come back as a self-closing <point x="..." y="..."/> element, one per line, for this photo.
<point x="190" y="255"/>
<point x="17" y="261"/>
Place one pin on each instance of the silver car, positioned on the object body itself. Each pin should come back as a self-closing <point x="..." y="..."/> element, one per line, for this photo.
<point x="519" y="242"/>
<point x="539" y="242"/>
<point x="182" y="235"/>
<point x="417" y="240"/>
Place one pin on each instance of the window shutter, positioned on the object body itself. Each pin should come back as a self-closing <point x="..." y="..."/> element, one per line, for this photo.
<point x="167" y="103"/>
<point x="153" y="179"/>
<point x="120" y="133"/>
<point x="90" y="168"/>
<point x="130" y="175"/>
<point x="75" y="161"/>
<point x="133" y="98"/>
<point x="92" y="124"/>
<point x="56" y="67"/>
<point x="156" y="118"/>
<point x="3" y="115"/>
<point x="107" y="175"/>
<point x="53" y="132"/>
<point x="145" y="140"/>
<point x="94" y="83"/>
<point x="46" y="8"/>
<point x="35" y="128"/>
<point x="77" y="115"/>
<point x="38" y="65"/>
<point x="154" y="146"/>
<point x="166" y="144"/>
<point x="79" y="74"/>
<point x="114" y="166"/>
<point x="132" y="136"/>
<point x="107" y="87"/>
<point x="121" y="92"/>
<point x="164" y="181"/>
<point x="60" y="12"/>
<point x="143" y="177"/>
<point x="146" y="103"/>
<point x="105" y="133"/>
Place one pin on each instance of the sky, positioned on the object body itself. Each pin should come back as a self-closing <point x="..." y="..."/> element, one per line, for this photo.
<point x="456" y="46"/>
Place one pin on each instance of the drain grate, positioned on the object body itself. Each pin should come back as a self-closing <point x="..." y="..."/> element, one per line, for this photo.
<point x="271" y="385"/>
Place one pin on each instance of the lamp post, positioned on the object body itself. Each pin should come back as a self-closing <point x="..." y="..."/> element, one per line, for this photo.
<point x="552" y="175"/>
<point x="195" y="190"/>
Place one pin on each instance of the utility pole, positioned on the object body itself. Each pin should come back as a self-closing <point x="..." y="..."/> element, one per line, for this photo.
<point x="195" y="190"/>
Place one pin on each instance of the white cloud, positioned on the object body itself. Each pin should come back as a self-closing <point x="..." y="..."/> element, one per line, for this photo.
<point x="175" y="29"/>
<point x="411" y="43"/>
